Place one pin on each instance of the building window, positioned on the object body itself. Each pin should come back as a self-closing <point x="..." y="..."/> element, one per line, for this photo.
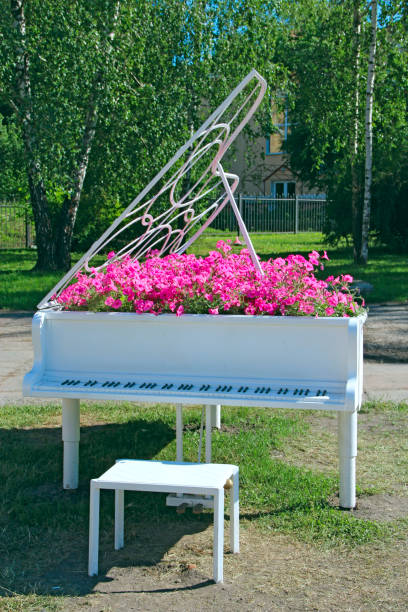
<point x="274" y="142"/>
<point x="282" y="189"/>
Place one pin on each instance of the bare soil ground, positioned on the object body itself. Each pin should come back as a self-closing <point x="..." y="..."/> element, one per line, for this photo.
<point x="272" y="572"/>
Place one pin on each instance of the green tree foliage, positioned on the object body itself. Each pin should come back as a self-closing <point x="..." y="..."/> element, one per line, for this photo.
<point x="321" y="55"/>
<point x="13" y="182"/>
<point x="105" y="92"/>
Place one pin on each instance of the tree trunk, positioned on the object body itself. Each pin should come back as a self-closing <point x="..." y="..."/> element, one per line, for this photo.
<point x="355" y="179"/>
<point x="53" y="245"/>
<point x="39" y="203"/>
<point x="369" y="137"/>
<point x="71" y="204"/>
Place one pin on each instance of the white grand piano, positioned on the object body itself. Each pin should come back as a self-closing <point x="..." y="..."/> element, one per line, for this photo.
<point x="272" y="362"/>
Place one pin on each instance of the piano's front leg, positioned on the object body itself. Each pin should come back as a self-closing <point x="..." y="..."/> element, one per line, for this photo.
<point x="347" y="437"/>
<point x="70" y="438"/>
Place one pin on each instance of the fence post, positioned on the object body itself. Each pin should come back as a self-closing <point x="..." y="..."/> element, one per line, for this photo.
<point x="296" y="214"/>
<point x="27" y="231"/>
<point x="240" y="210"/>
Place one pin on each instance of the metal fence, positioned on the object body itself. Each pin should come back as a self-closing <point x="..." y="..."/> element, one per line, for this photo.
<point x="16" y="227"/>
<point x="260" y="214"/>
<point x="266" y="214"/>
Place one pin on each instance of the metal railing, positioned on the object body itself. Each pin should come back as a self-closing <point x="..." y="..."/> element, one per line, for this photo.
<point x="260" y="214"/>
<point x="16" y="227"/>
<point x="266" y="214"/>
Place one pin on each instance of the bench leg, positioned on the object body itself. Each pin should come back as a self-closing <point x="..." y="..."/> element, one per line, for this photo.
<point x="218" y="535"/>
<point x="70" y="438"/>
<point x="234" y="514"/>
<point x="93" y="531"/>
<point x="119" y="518"/>
<point x="347" y="435"/>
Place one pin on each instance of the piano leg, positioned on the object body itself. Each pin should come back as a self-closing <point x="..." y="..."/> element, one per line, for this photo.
<point x="179" y="432"/>
<point x="70" y="438"/>
<point x="216" y="416"/>
<point x="347" y="436"/>
<point x="208" y="432"/>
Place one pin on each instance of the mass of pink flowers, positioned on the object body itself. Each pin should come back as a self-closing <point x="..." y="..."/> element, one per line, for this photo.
<point x="221" y="283"/>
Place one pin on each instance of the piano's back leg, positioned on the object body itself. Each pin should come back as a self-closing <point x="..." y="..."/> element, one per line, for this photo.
<point x="70" y="438"/>
<point x="216" y="416"/>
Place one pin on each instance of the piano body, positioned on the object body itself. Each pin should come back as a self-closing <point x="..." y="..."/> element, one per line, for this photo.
<point x="235" y="360"/>
<point x="268" y="361"/>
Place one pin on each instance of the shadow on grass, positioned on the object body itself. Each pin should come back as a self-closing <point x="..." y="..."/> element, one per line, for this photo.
<point x="44" y="529"/>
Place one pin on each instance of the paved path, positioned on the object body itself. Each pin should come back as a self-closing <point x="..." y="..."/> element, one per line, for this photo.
<point x="387" y="326"/>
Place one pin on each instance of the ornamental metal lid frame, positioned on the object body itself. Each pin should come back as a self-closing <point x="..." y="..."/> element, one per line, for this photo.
<point x="166" y="232"/>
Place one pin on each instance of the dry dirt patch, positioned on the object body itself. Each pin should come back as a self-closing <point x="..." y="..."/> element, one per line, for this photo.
<point x="272" y="572"/>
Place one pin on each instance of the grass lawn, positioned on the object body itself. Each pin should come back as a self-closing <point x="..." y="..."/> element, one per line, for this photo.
<point x="287" y="483"/>
<point x="22" y="289"/>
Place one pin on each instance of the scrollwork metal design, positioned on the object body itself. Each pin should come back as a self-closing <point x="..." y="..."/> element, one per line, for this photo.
<point x="171" y="213"/>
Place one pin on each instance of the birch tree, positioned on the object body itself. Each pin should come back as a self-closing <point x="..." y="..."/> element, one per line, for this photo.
<point x="368" y="179"/>
<point x="41" y="69"/>
<point x="355" y="174"/>
<point x="104" y="93"/>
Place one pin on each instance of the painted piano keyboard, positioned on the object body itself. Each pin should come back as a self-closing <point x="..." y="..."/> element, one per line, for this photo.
<point x="258" y="392"/>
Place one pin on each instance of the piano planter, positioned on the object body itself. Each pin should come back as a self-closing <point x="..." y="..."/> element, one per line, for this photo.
<point x="249" y="359"/>
<point x="268" y="361"/>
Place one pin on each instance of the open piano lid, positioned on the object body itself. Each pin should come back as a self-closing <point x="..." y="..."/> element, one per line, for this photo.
<point x="189" y="214"/>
